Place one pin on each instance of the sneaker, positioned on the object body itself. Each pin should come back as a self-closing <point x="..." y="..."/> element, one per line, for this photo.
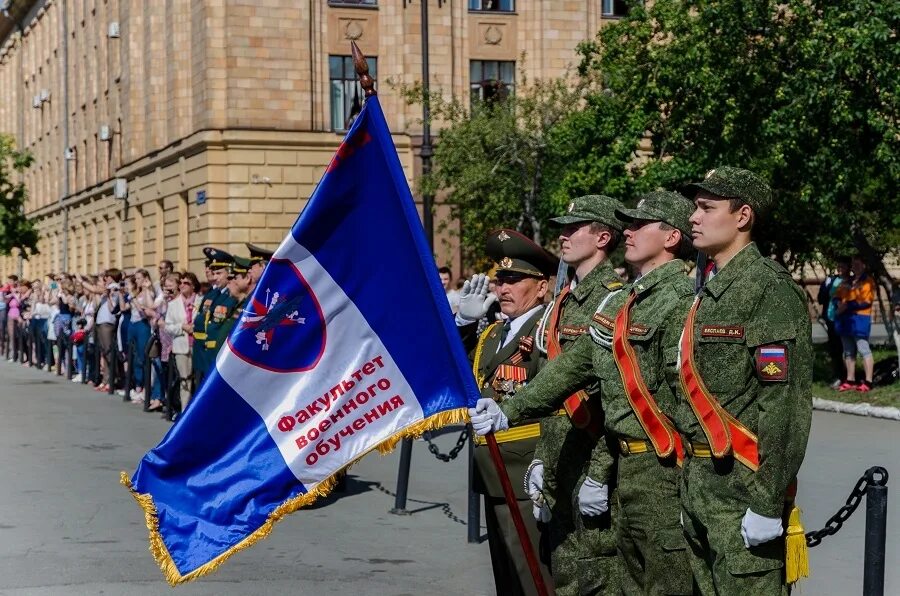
<point x="836" y="384"/>
<point x="120" y="392"/>
<point x="76" y="379"/>
<point x="847" y="386"/>
<point x="864" y="387"/>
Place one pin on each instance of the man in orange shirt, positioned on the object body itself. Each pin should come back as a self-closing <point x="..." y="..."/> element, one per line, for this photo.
<point x="853" y="324"/>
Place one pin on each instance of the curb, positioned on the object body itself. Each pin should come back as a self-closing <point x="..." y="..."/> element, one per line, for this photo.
<point x="861" y="409"/>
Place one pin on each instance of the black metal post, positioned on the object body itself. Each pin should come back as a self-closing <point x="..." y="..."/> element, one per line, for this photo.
<point x="876" y="533"/>
<point x="403" y="477"/>
<point x="474" y="517"/>
<point x="427" y="198"/>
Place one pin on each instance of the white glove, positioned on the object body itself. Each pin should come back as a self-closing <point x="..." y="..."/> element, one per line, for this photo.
<point x="474" y="299"/>
<point x="534" y="481"/>
<point x="541" y="512"/>
<point x="487" y="417"/>
<point x="593" y="497"/>
<point x="757" y="529"/>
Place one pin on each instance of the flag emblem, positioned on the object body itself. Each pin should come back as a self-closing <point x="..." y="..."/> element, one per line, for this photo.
<point x="282" y="328"/>
<point x="772" y="363"/>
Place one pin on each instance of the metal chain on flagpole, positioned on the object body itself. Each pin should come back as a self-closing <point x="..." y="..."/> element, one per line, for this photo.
<point x="460" y="443"/>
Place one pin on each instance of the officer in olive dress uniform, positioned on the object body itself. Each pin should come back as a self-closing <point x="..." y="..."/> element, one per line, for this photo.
<point x="222" y="308"/>
<point x="239" y="287"/>
<point x="259" y="258"/>
<point x="746" y="367"/>
<point x="505" y="359"/>
<point x="572" y="449"/>
<point x="218" y="262"/>
<point x="632" y="350"/>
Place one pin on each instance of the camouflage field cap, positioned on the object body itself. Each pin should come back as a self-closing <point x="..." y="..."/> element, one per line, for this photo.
<point x="599" y="208"/>
<point x="734" y="183"/>
<point x="515" y="253"/>
<point x="662" y="205"/>
<point x="216" y="258"/>
<point x="240" y="265"/>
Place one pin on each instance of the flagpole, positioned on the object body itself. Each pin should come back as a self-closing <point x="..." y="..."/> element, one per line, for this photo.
<point x="368" y="85"/>
<point x="524" y="540"/>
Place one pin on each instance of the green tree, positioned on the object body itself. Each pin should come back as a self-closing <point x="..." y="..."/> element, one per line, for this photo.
<point x="802" y="91"/>
<point x="16" y="231"/>
<point x="500" y="162"/>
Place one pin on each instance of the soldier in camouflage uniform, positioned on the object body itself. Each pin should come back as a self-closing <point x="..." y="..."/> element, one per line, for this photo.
<point x="632" y="351"/>
<point x="572" y="448"/>
<point x="505" y="359"/>
<point x="746" y="367"/>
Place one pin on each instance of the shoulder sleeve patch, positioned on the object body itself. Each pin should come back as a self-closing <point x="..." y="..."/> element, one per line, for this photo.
<point x="772" y="363"/>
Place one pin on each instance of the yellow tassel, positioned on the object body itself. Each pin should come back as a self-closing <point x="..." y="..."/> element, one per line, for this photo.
<point x="164" y="558"/>
<point x="796" y="556"/>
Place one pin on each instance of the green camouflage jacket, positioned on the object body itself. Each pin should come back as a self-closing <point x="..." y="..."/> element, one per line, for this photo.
<point x="752" y="305"/>
<point x="664" y="297"/>
<point x="565" y="449"/>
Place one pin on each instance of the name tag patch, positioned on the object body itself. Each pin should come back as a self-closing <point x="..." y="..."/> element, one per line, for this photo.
<point x="772" y="363"/>
<point x="572" y="330"/>
<point x="729" y="331"/>
<point x="609" y="323"/>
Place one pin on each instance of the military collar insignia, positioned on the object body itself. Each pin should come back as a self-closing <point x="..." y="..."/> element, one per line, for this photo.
<point x="640" y="204"/>
<point x="502" y="236"/>
<point x="571" y="207"/>
<point x="710" y="174"/>
<point x="506" y="262"/>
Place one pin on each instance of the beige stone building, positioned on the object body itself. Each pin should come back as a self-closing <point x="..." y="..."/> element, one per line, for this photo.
<point x="161" y="127"/>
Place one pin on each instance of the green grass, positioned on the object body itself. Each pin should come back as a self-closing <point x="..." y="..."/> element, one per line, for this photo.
<point x="879" y="396"/>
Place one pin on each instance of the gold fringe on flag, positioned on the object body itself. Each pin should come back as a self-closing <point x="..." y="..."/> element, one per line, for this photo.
<point x="796" y="553"/>
<point x="164" y="558"/>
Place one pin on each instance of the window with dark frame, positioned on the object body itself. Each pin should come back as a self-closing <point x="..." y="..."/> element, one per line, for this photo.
<point x="491" y="79"/>
<point x="615" y="8"/>
<point x="493" y="5"/>
<point x="347" y="96"/>
<point x="352" y="2"/>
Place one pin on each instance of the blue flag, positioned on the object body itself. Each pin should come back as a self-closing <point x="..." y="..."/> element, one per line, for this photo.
<point x="347" y="345"/>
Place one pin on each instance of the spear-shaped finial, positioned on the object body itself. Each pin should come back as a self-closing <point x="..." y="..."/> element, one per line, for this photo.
<point x="362" y="70"/>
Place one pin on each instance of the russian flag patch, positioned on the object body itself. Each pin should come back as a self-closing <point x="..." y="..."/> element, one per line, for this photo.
<point x="772" y="363"/>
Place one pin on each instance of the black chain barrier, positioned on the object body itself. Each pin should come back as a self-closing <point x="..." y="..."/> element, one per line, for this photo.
<point x="446" y="457"/>
<point x="875" y="476"/>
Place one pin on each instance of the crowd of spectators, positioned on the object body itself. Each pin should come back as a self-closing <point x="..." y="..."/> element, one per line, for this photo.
<point x="125" y="333"/>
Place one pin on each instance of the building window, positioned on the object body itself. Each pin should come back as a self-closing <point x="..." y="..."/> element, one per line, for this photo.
<point x="491" y="79"/>
<point x="615" y="8"/>
<point x="347" y="95"/>
<point x="494" y="5"/>
<point x="353" y="3"/>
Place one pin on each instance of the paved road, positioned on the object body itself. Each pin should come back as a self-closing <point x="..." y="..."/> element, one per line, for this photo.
<point x="68" y="527"/>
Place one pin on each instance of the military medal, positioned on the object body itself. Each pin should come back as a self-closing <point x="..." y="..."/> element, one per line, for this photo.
<point x="508" y="380"/>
